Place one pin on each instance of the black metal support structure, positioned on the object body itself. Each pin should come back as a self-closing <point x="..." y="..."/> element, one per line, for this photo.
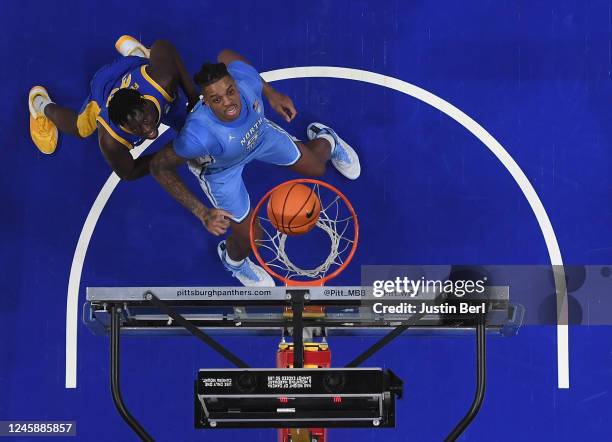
<point x="481" y="380"/>
<point x="397" y="331"/>
<point x="132" y="310"/>
<point x="115" y="386"/>
<point x="481" y="367"/>
<point x="196" y="331"/>
<point x="297" y="307"/>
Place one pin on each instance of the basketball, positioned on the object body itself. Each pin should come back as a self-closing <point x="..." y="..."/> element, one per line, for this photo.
<point x="294" y="208"/>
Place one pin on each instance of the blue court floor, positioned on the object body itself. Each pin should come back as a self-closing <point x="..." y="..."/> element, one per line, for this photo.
<point x="534" y="77"/>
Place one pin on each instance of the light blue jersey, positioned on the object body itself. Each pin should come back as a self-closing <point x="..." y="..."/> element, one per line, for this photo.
<point x="218" y="151"/>
<point x="228" y="143"/>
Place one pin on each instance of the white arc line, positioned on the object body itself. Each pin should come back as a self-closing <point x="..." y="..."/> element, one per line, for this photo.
<point x="476" y="129"/>
<point x="76" y="269"/>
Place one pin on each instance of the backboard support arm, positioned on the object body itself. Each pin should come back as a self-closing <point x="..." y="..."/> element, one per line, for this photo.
<point x="196" y="331"/>
<point x="481" y="381"/>
<point x="115" y="385"/>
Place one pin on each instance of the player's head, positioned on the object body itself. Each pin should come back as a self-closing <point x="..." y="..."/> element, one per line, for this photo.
<point x="131" y="110"/>
<point x="219" y="90"/>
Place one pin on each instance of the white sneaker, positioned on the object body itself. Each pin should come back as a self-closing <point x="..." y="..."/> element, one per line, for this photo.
<point x="248" y="273"/>
<point x="127" y="45"/>
<point x="343" y="157"/>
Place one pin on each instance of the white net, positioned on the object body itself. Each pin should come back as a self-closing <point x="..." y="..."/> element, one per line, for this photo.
<point x="335" y="220"/>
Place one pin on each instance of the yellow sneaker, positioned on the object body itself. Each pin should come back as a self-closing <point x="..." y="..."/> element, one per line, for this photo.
<point x="42" y="130"/>
<point x="128" y="45"/>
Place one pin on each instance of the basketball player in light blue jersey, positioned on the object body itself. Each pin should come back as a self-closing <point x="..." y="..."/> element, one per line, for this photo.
<point x="227" y="130"/>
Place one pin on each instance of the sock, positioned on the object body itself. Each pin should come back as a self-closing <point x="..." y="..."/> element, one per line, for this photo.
<point x="330" y="140"/>
<point x="40" y="102"/>
<point x="138" y="53"/>
<point x="231" y="262"/>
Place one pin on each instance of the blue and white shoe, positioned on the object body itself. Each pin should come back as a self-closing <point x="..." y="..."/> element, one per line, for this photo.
<point x="248" y="273"/>
<point x="343" y="157"/>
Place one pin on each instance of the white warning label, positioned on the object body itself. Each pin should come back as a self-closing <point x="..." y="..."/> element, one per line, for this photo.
<point x="217" y="382"/>
<point x="290" y="382"/>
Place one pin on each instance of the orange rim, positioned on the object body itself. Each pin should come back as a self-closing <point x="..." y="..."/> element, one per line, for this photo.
<point x="314" y="282"/>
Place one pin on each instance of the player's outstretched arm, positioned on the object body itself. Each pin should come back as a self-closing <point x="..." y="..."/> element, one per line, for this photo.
<point x="167" y="68"/>
<point x="120" y="159"/>
<point x="227" y="56"/>
<point x="163" y="168"/>
<point x="281" y="103"/>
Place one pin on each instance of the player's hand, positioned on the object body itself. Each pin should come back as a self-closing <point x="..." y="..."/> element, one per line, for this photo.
<point x="283" y="105"/>
<point x="216" y="221"/>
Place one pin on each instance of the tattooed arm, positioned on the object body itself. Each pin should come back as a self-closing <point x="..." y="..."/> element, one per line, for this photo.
<point x="163" y="168"/>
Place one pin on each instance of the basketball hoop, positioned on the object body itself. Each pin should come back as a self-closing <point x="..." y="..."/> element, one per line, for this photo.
<point x="337" y="222"/>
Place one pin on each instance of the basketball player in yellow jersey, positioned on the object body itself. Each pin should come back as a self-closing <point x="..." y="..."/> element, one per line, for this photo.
<point x="128" y="101"/>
